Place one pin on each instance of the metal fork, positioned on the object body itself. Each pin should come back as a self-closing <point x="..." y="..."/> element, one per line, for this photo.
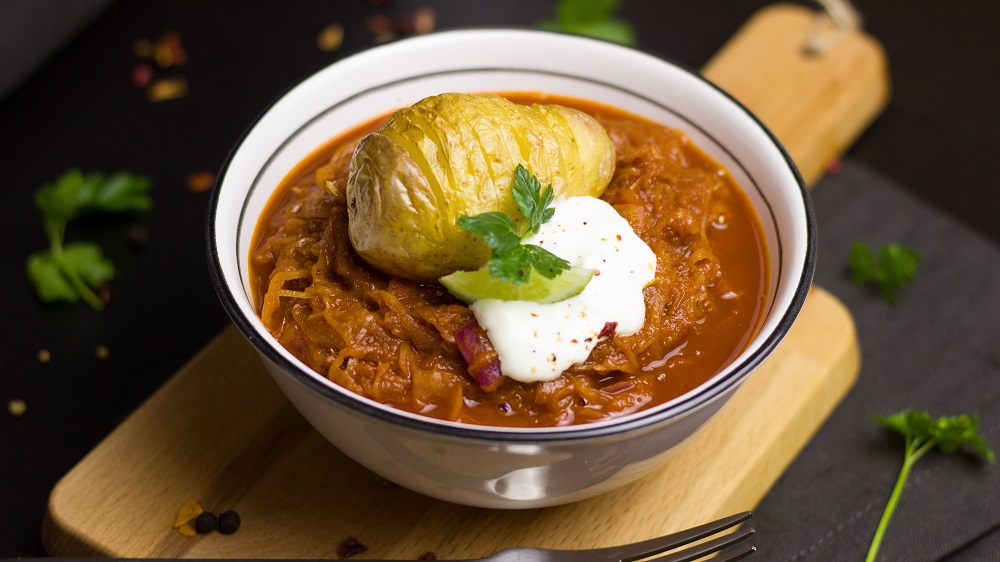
<point x="635" y="552"/>
<point x="649" y="549"/>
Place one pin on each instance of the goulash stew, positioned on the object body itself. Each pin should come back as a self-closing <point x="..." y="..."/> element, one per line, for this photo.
<point x="394" y="340"/>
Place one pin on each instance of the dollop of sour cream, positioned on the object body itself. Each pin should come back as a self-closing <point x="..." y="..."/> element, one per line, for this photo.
<point x="538" y="342"/>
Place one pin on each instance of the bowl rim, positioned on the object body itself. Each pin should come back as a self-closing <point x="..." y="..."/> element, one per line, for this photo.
<point x="642" y="420"/>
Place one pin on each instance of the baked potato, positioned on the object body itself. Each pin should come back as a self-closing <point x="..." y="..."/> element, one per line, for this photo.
<point x="455" y="154"/>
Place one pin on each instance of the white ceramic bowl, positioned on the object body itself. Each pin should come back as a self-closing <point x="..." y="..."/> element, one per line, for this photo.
<point x="504" y="467"/>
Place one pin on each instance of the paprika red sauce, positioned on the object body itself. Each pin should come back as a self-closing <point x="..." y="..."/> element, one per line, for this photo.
<point x="394" y="340"/>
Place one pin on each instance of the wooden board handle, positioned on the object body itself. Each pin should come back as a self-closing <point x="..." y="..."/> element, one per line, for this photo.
<point x="816" y="103"/>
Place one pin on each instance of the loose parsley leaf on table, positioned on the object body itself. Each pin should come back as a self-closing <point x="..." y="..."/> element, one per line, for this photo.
<point x="594" y="18"/>
<point x="72" y="271"/>
<point x="923" y="433"/>
<point x="513" y="261"/>
<point x="896" y="266"/>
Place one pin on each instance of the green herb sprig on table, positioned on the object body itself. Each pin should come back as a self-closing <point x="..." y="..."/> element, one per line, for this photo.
<point x="923" y="433"/>
<point x="594" y="18"/>
<point x="513" y="261"/>
<point x="895" y="266"/>
<point x="69" y="272"/>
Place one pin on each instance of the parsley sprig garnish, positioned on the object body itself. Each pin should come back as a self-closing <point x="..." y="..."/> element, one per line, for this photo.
<point x="594" y="18"/>
<point x="69" y="272"/>
<point x="896" y="266"/>
<point x="924" y="433"/>
<point x="513" y="261"/>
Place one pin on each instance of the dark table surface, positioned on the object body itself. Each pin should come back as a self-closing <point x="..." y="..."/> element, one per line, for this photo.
<point x="938" y="138"/>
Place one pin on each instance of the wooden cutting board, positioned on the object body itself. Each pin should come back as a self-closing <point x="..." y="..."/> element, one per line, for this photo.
<point x="221" y="432"/>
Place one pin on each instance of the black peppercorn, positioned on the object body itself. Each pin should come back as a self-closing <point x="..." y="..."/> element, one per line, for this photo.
<point x="206" y="522"/>
<point x="229" y="521"/>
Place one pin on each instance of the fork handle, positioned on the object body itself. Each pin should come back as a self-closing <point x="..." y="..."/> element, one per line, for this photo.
<point x="97" y="559"/>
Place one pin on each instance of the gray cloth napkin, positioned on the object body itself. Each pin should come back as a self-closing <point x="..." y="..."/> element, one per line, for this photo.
<point x="937" y="349"/>
<point x="31" y="31"/>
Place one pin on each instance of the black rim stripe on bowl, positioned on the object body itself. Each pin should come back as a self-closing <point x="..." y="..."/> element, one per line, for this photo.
<point x="640" y="420"/>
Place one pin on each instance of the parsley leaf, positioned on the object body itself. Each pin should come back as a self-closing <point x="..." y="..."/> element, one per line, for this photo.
<point x="896" y="266"/>
<point x="594" y="18"/>
<point x="497" y="230"/>
<point x="71" y="272"/>
<point x="50" y="283"/>
<point x="924" y="433"/>
<point x="89" y="263"/>
<point x="531" y="199"/>
<point x="545" y="262"/>
<point x="513" y="261"/>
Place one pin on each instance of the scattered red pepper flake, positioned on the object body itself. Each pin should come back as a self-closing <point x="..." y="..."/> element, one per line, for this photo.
<point x="142" y="75"/>
<point x="169" y="88"/>
<point x="419" y="22"/>
<point x="608" y="331"/>
<point x="200" y="181"/>
<point x="331" y="37"/>
<point x="378" y="23"/>
<point x="16" y="408"/>
<point x="429" y="555"/>
<point x="350" y="546"/>
<point x="169" y="51"/>
<point x="43" y="355"/>
<point x="833" y="167"/>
